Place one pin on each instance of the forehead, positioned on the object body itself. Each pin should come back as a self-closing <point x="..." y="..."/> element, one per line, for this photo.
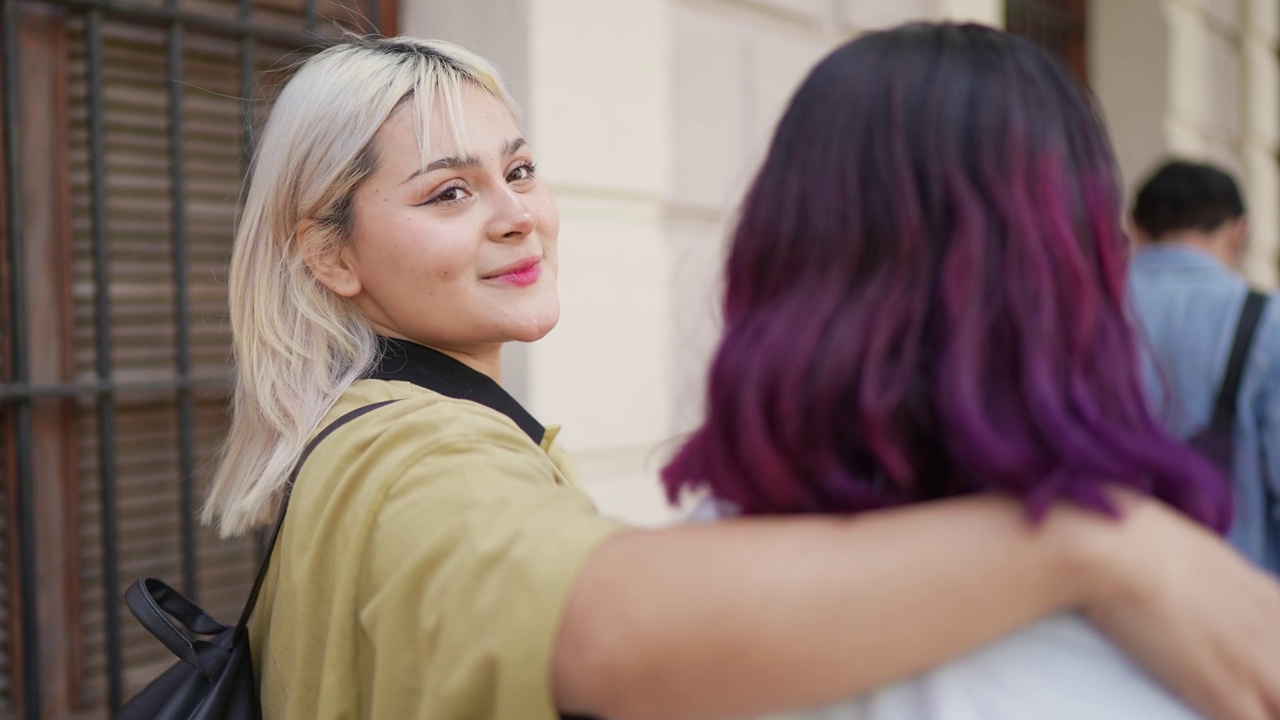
<point x="469" y="122"/>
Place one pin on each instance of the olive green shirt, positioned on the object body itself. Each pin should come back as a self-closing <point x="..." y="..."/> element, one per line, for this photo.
<point x="423" y="566"/>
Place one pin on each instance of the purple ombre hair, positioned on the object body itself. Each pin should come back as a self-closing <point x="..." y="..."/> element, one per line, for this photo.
<point x="924" y="297"/>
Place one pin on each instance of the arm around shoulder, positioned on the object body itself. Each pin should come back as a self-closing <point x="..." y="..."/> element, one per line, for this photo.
<point x="754" y="615"/>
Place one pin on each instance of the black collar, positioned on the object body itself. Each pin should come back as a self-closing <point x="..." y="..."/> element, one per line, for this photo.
<point x="433" y="370"/>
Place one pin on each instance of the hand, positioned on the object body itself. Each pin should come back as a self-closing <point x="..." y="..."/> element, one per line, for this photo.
<point x="1189" y="608"/>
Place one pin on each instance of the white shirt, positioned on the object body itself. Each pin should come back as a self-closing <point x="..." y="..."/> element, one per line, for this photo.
<point x="1061" y="668"/>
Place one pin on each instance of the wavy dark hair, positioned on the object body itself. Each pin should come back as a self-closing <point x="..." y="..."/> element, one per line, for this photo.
<point x="924" y="297"/>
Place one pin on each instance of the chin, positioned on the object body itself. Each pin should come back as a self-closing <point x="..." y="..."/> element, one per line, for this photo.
<point x="534" y="331"/>
<point x="536" y="326"/>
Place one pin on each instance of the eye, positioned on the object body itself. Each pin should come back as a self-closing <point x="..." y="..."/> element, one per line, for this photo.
<point x="449" y="195"/>
<point x="523" y="172"/>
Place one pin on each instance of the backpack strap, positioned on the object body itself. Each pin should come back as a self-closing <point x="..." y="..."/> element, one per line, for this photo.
<point x="1224" y="410"/>
<point x="284" y="504"/>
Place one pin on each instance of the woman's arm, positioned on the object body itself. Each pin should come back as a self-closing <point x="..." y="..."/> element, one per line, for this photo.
<point x="752" y="615"/>
<point x="1191" y="609"/>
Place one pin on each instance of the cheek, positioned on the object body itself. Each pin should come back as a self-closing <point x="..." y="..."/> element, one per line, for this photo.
<point x="439" y="273"/>
<point x="551" y="214"/>
<point x="426" y="254"/>
<point x="549" y="223"/>
<point x="543" y="204"/>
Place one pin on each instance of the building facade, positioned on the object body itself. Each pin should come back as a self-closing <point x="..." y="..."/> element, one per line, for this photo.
<point x="651" y="115"/>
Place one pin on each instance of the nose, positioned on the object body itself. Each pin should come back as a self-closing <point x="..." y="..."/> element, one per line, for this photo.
<point x="512" y="217"/>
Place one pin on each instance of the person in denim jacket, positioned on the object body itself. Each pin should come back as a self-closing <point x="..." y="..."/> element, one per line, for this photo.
<point x="1190" y="222"/>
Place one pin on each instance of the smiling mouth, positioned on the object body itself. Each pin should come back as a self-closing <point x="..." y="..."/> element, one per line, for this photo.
<point x="525" y="273"/>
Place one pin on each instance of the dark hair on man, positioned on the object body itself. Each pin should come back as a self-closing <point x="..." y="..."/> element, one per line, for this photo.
<point x="1185" y="195"/>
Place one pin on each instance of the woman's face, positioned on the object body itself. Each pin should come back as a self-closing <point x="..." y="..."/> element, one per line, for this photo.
<point x="459" y="255"/>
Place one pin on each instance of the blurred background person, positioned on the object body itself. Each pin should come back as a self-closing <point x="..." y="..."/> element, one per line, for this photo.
<point x="1197" y="310"/>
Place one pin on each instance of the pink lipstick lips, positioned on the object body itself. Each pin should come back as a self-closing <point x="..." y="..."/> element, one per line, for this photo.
<point x="519" y="275"/>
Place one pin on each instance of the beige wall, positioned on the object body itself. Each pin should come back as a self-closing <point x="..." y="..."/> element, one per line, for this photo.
<point x="649" y="117"/>
<point x="650" y="164"/>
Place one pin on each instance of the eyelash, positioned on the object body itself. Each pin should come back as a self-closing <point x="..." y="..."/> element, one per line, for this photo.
<point x="439" y="198"/>
<point x="530" y="168"/>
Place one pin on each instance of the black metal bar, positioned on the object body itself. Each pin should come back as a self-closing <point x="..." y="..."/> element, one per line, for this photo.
<point x="178" y="219"/>
<point x="10" y="392"/>
<point x="309" y="15"/>
<point x="163" y="15"/>
<point x="375" y="15"/>
<point x="246" y="86"/>
<point x="102" y="312"/>
<point x="25" y="488"/>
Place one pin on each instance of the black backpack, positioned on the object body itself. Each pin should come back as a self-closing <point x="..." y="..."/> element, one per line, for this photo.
<point x="213" y="679"/>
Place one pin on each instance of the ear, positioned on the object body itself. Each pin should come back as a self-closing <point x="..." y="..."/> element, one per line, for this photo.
<point x="1136" y="235"/>
<point x="335" y="269"/>
<point x="1238" y="237"/>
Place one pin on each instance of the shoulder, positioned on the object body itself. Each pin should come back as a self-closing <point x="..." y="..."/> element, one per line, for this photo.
<point x="1261" y="384"/>
<point x="423" y="446"/>
<point x="1266" y="350"/>
<point x="430" y="417"/>
<point x="1270" y="317"/>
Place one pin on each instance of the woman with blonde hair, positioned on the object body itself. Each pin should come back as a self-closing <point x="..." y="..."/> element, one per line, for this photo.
<point x="438" y="558"/>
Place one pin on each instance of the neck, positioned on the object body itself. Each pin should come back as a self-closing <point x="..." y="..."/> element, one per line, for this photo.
<point x="1216" y="248"/>
<point x="485" y="359"/>
<point x="444" y="373"/>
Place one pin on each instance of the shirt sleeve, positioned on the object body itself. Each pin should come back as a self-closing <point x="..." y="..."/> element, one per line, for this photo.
<point x="469" y="561"/>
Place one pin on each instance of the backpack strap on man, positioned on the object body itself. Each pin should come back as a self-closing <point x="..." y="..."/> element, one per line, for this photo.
<point x="1224" y="409"/>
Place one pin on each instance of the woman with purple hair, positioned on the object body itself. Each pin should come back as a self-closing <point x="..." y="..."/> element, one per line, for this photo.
<point x="924" y="299"/>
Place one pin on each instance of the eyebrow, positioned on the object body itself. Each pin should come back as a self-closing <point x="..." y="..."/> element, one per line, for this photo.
<point x="469" y="162"/>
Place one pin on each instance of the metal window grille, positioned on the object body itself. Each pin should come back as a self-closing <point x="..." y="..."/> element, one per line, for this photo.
<point x="1059" y="26"/>
<point x="127" y="127"/>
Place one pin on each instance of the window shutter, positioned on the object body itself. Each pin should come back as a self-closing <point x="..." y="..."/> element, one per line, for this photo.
<point x="143" y="325"/>
<point x="148" y="396"/>
<point x="1058" y="26"/>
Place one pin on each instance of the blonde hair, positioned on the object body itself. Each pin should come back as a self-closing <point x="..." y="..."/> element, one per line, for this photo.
<point x="297" y="345"/>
